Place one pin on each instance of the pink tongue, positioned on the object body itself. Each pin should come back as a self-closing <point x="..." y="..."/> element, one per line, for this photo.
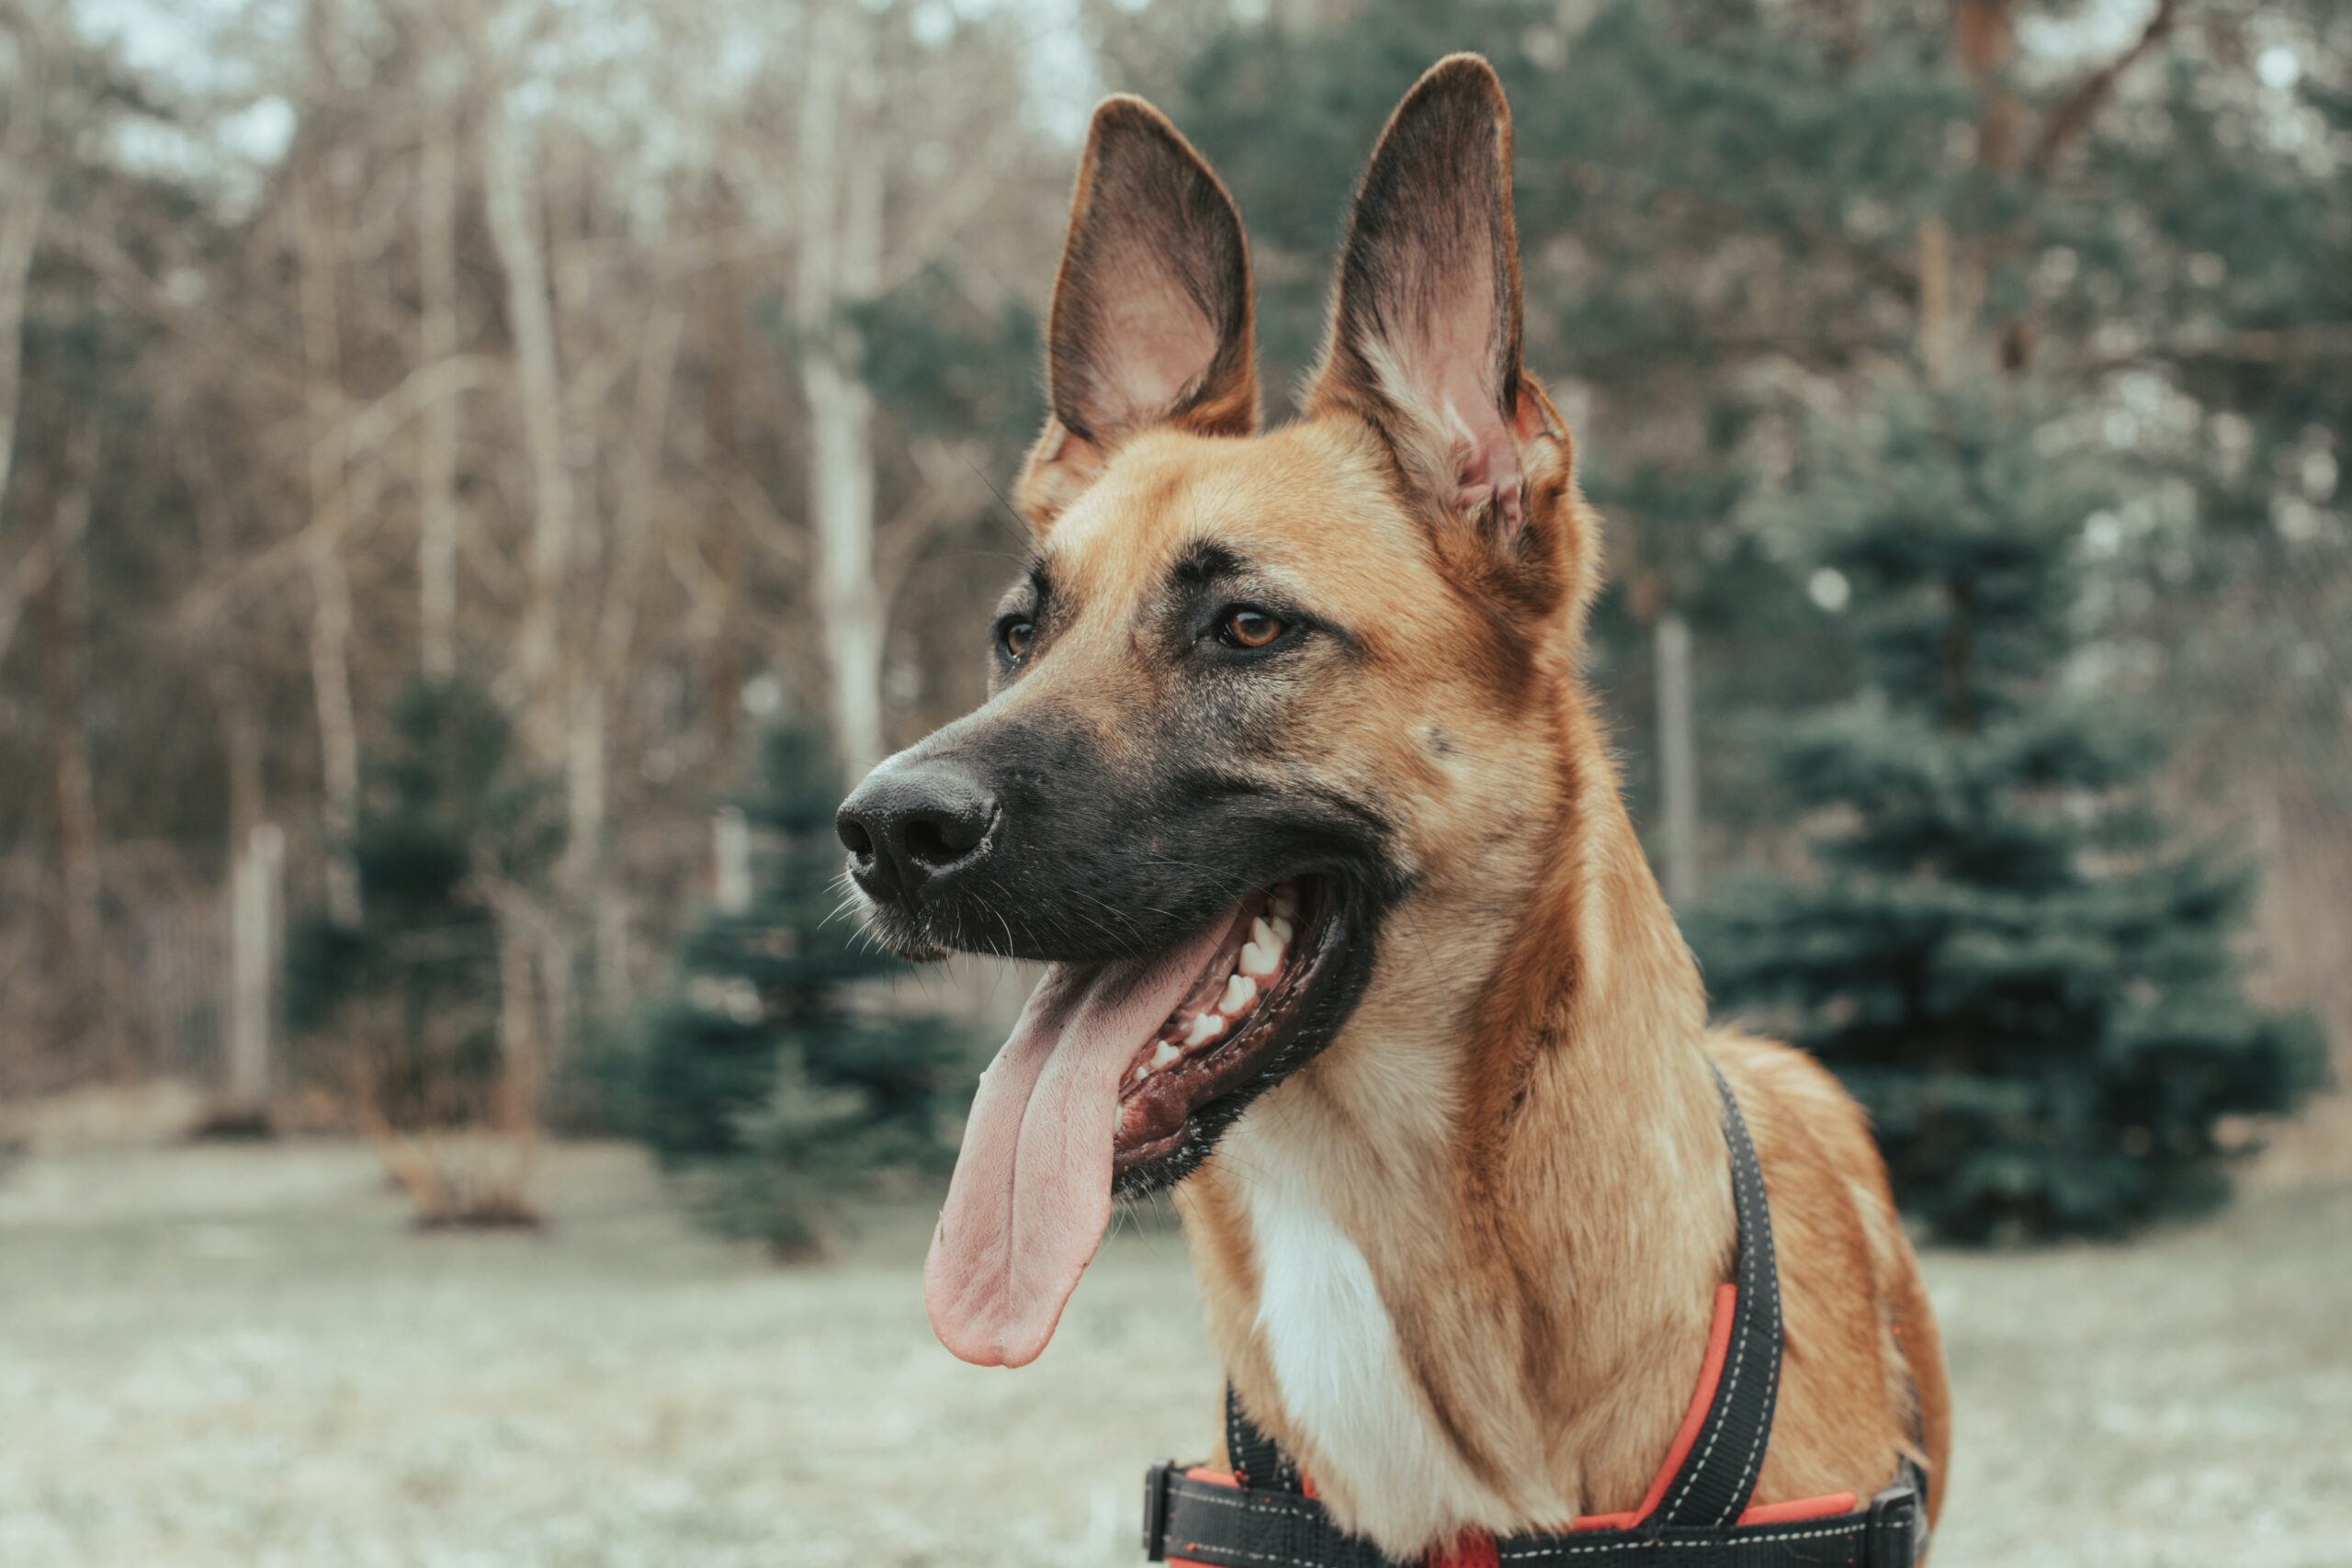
<point x="1032" y="1191"/>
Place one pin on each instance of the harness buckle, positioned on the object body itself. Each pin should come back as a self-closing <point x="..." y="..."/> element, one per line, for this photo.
<point x="1155" y="1509"/>
<point x="1897" y="1535"/>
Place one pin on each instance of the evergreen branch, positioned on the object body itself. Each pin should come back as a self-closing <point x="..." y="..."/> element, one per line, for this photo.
<point x="2279" y="345"/>
<point x="1867" y="259"/>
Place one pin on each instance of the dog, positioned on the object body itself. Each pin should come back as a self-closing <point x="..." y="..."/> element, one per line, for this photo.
<point x="1288" y="775"/>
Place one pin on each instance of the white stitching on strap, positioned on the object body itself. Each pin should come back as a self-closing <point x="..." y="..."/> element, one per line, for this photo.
<point x="1204" y="1492"/>
<point x="1210" y="1492"/>
<point x="1739" y="1356"/>
<point x="1744" y="1165"/>
<point x="1527" y="1553"/>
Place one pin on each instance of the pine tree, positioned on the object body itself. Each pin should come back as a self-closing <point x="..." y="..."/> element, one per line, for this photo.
<point x="2001" y="948"/>
<point x="769" y="1081"/>
<point x="402" y="1009"/>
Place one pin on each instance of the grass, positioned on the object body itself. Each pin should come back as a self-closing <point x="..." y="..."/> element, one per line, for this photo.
<point x="245" y="1355"/>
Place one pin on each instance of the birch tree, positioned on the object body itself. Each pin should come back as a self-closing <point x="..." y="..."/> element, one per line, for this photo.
<point x="436" y="244"/>
<point x="330" y="584"/>
<point x="511" y="198"/>
<point x="24" y="203"/>
<point x="840" y="223"/>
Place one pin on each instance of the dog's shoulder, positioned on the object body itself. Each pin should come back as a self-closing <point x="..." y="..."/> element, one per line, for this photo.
<point x="1787" y="1095"/>
<point x="1865" y="1377"/>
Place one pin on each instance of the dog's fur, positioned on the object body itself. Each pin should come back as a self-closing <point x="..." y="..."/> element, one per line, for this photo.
<point x="1461" y="1262"/>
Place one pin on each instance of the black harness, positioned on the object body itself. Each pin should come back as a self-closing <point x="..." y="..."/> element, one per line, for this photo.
<point x="1268" y="1521"/>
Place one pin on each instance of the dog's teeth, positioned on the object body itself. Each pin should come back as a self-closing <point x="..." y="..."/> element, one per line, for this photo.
<point x="1142" y="1072"/>
<point x="1259" y="959"/>
<point x="1206" y="1026"/>
<point x="1285" y="901"/>
<point x="1240" y="992"/>
<point x="1163" y="1054"/>
<point x="1263" y="934"/>
<point x="1284" y="930"/>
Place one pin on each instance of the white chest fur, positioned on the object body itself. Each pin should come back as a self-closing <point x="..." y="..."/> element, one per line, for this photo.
<point x="1339" y="1369"/>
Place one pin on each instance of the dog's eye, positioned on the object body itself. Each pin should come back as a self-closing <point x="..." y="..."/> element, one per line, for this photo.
<point x="1015" y="634"/>
<point x="1246" y="627"/>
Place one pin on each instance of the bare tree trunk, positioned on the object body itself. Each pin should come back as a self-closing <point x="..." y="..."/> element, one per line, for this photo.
<point x="24" y="204"/>
<point x="1677" y="759"/>
<point x="583" y="774"/>
<point x="36" y="564"/>
<point x="723" y="330"/>
<point x="518" y="1050"/>
<point x="587" y="697"/>
<point x="633" y="529"/>
<point x="1935" y="302"/>
<point x="228" y="671"/>
<point x="841" y="206"/>
<point x="338" y="722"/>
<point x="511" y="195"/>
<point x="563" y="705"/>
<point x="437" y="235"/>
<point x="241" y="744"/>
<point x="74" y="808"/>
<point x="1984" y="35"/>
<point x="522" y="1071"/>
<point x="255" y="929"/>
<point x="330" y="640"/>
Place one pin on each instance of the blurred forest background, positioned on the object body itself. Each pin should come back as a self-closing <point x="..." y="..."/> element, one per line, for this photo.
<point x="443" y="446"/>
<point x="478" y="476"/>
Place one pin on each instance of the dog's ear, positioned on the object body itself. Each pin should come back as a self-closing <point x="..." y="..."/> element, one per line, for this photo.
<point x="1151" y="312"/>
<point x="1424" y="340"/>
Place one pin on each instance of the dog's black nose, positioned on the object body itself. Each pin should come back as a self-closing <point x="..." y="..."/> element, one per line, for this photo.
<point x="913" y="823"/>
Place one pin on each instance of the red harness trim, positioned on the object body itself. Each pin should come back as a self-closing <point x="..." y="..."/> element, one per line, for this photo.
<point x="1476" y="1549"/>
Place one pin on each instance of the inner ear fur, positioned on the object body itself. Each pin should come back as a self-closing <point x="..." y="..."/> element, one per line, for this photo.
<point x="1151" y="323"/>
<point x="1424" y="340"/>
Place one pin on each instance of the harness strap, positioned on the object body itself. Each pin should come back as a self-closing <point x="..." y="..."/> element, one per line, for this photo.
<point x="1192" y="1520"/>
<point x="1718" y="1475"/>
<point x="1256" y="1459"/>
<point x="1260" y="1516"/>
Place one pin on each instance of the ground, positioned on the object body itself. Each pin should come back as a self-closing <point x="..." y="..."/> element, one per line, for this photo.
<point x="242" y="1356"/>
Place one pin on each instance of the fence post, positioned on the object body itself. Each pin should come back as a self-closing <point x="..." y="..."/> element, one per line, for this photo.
<point x="256" y="929"/>
<point x="731" y="847"/>
<point x="1678" y="760"/>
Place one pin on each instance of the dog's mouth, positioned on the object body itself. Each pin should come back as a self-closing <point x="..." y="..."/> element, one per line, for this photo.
<point x="1226" y="1034"/>
<point x="1120" y="1077"/>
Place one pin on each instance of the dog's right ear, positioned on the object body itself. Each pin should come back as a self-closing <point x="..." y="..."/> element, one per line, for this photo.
<point x="1151" y="312"/>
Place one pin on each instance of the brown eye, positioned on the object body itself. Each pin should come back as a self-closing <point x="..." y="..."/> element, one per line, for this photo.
<point x="1251" y="629"/>
<point x="1016" y="634"/>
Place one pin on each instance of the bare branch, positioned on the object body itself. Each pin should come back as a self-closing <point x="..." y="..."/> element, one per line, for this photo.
<point x="2070" y="118"/>
<point x="219" y="339"/>
<point x="40" y="561"/>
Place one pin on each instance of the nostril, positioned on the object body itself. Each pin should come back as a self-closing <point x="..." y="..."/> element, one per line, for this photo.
<point x="854" y="838"/>
<point x="938" y="839"/>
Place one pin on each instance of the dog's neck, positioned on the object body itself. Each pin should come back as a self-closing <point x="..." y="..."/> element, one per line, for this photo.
<point x="1461" y="1265"/>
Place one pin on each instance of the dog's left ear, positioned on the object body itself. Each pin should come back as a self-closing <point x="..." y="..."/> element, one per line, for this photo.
<point x="1425" y="325"/>
<point x="1151" y="313"/>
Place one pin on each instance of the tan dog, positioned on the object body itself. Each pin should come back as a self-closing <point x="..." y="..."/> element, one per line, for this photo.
<point x="1288" y="773"/>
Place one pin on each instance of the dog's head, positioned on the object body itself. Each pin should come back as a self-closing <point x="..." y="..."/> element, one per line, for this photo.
<point x="1254" y="692"/>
